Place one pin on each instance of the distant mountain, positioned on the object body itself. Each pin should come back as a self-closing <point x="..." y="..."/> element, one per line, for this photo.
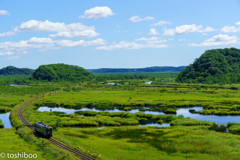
<point x="214" y="66"/>
<point x="138" y="70"/>
<point x="11" y="70"/>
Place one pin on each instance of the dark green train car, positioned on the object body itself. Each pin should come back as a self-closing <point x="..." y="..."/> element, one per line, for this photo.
<point x="43" y="129"/>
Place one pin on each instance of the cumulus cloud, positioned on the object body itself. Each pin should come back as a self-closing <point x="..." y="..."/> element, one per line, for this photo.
<point x="183" y="29"/>
<point x="11" y="33"/>
<point x="62" y="30"/>
<point x="81" y="43"/>
<point x="161" y="23"/>
<point x="228" y="29"/>
<point x="153" y="31"/>
<point x="232" y="29"/>
<point x="73" y="34"/>
<point x="151" y="39"/>
<point x="12" y="58"/>
<point x="33" y="43"/>
<point x="6" y="53"/>
<point x="218" y="40"/>
<point x="9" y="48"/>
<point x="97" y="12"/>
<point x="139" y="19"/>
<point x="140" y="43"/>
<point x="4" y="12"/>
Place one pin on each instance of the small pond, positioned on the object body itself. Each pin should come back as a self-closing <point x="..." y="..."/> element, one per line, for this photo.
<point x="181" y="111"/>
<point x="149" y="82"/>
<point x="5" y="120"/>
<point x="156" y="125"/>
<point x="112" y="83"/>
<point x="16" y="85"/>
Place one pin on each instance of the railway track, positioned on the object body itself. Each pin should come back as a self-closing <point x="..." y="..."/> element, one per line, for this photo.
<point x="52" y="140"/>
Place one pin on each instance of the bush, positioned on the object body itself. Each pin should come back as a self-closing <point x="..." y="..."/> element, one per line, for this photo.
<point x="5" y="109"/>
<point x="170" y="111"/>
<point x="192" y="122"/>
<point x="1" y="124"/>
<point x="160" y="121"/>
<point x="127" y="108"/>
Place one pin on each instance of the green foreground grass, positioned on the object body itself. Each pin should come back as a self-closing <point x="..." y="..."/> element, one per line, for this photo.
<point x="12" y="143"/>
<point x="141" y="143"/>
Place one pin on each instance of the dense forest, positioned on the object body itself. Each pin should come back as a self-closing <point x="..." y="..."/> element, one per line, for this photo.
<point x="214" y="66"/>
<point x="11" y="70"/>
<point x="61" y="72"/>
<point x="138" y="70"/>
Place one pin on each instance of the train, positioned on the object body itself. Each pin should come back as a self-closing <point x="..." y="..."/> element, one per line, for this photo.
<point x="43" y="129"/>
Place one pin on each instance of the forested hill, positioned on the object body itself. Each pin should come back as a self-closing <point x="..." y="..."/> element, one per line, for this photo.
<point x="61" y="72"/>
<point x="11" y="70"/>
<point x="137" y="70"/>
<point x="214" y="66"/>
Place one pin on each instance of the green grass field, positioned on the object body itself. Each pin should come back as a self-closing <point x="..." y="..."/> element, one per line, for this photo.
<point x="140" y="143"/>
<point x="12" y="143"/>
<point x="216" y="99"/>
<point x="186" y="139"/>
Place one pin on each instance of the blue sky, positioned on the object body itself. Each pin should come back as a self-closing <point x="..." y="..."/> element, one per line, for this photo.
<point x="115" y="33"/>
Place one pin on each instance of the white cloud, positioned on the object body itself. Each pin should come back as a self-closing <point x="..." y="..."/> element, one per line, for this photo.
<point x="62" y="30"/>
<point x="24" y="46"/>
<point x="7" y="34"/>
<point x="221" y="39"/>
<point x="35" y="40"/>
<point x="238" y="23"/>
<point x="6" y="53"/>
<point x="183" y="29"/>
<point x="153" y="31"/>
<point x="151" y="40"/>
<point x="74" y="34"/>
<point x="97" y="12"/>
<point x="81" y="43"/>
<point x="140" y="43"/>
<point x="228" y="29"/>
<point x="231" y="29"/>
<point x="207" y="29"/>
<point x="33" y="43"/>
<point x="4" y="12"/>
<point x="138" y="19"/>
<point x="147" y="39"/>
<point x="12" y="58"/>
<point x="161" y="23"/>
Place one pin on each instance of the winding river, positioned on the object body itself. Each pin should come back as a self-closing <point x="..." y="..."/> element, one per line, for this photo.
<point x="181" y="111"/>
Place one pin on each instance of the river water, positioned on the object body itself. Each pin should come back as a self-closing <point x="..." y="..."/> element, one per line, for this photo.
<point x="5" y="119"/>
<point x="181" y="111"/>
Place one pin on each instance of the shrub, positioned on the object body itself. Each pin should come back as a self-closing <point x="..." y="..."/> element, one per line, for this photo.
<point x="127" y="108"/>
<point x="170" y="111"/>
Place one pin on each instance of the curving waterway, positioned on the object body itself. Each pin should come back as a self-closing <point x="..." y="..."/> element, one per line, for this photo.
<point x="181" y="111"/>
<point x="5" y="120"/>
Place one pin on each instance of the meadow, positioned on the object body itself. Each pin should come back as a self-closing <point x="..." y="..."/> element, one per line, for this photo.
<point x="12" y="143"/>
<point x="160" y="96"/>
<point x="188" y="142"/>
<point x="119" y="136"/>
